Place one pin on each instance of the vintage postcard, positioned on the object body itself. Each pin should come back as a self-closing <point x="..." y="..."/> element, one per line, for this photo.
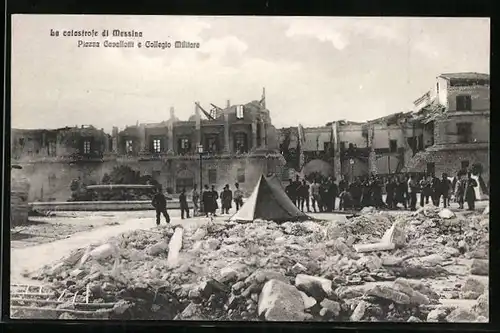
<point x="324" y="169"/>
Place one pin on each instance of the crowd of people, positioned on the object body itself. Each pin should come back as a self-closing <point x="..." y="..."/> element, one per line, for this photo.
<point x="322" y="194"/>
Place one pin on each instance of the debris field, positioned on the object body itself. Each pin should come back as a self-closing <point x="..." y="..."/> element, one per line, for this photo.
<point x="378" y="266"/>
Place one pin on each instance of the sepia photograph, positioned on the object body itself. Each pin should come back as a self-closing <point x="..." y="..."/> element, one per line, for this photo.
<point x="250" y="168"/>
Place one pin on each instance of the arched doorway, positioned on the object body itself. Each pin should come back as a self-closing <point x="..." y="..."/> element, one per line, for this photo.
<point x="184" y="180"/>
<point x="318" y="167"/>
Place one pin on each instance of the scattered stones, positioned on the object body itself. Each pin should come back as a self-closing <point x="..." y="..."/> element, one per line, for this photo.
<point x="309" y="302"/>
<point x="298" y="268"/>
<point x="436" y="315"/>
<point x="252" y="272"/>
<point x="331" y="307"/>
<point x="390" y="294"/>
<point x="314" y="286"/>
<point x="348" y="292"/>
<point x="460" y="315"/>
<point x="482" y="305"/>
<point x="413" y="319"/>
<point x="359" y="311"/>
<point x="446" y="214"/>
<point x="280" y="301"/>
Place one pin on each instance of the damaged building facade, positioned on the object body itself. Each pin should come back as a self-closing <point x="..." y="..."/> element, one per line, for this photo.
<point x="239" y="144"/>
<point x="457" y="110"/>
<point x="351" y="149"/>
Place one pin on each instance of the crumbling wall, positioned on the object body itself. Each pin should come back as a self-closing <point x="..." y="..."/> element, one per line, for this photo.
<point x="449" y="161"/>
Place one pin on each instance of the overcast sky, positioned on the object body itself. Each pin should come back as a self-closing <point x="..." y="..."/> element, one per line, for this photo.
<point x="314" y="69"/>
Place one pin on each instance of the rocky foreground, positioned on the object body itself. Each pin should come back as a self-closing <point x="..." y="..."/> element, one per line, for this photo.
<point x="308" y="271"/>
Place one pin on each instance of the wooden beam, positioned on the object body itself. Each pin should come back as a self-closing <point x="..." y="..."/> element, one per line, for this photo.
<point x="205" y="112"/>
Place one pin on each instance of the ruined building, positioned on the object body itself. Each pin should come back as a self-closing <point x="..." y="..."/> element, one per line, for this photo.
<point x="447" y="131"/>
<point x="456" y="112"/>
<point x="239" y="144"/>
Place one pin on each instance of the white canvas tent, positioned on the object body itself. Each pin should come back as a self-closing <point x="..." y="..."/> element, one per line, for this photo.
<point x="269" y="201"/>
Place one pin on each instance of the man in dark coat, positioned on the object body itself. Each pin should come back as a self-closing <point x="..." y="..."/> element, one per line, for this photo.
<point x="435" y="190"/>
<point x="333" y="193"/>
<point x="343" y="184"/>
<point x="401" y="189"/>
<point x="470" y="192"/>
<point x="226" y="199"/>
<point x="390" y="189"/>
<point x="296" y="186"/>
<point x="304" y="196"/>
<point x="412" y="191"/>
<point x="377" y="199"/>
<point x="425" y="190"/>
<point x="183" y="204"/>
<point x="159" y="202"/>
<point x="207" y="200"/>
<point x="366" y="193"/>
<point x="356" y="193"/>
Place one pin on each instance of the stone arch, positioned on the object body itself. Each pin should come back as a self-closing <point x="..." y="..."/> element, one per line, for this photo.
<point x="319" y="166"/>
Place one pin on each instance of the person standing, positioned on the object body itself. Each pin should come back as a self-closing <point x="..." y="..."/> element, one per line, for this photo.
<point x="183" y="204"/>
<point x="445" y="189"/>
<point x="345" y="200"/>
<point x="207" y="200"/>
<point x="412" y="191"/>
<point x="315" y="198"/>
<point x="296" y="187"/>
<point x="435" y="190"/>
<point x="304" y="195"/>
<point x="195" y="196"/>
<point x="356" y="193"/>
<point x="343" y="184"/>
<point x="400" y="189"/>
<point x="425" y="190"/>
<point x="238" y="196"/>
<point x="460" y="188"/>
<point x="323" y="195"/>
<point x="378" y="201"/>
<point x="227" y="199"/>
<point x="159" y="202"/>
<point x="470" y="192"/>
<point x="390" y="188"/>
<point x="333" y="193"/>
<point x="365" y="193"/>
<point x="214" y="198"/>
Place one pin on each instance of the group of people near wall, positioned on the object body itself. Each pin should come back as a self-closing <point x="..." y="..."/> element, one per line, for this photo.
<point x="320" y="194"/>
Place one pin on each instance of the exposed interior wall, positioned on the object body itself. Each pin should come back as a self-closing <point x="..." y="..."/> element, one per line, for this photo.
<point x="446" y="130"/>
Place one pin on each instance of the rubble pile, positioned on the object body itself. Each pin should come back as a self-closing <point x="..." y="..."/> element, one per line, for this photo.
<point x="306" y="271"/>
<point x="443" y="232"/>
